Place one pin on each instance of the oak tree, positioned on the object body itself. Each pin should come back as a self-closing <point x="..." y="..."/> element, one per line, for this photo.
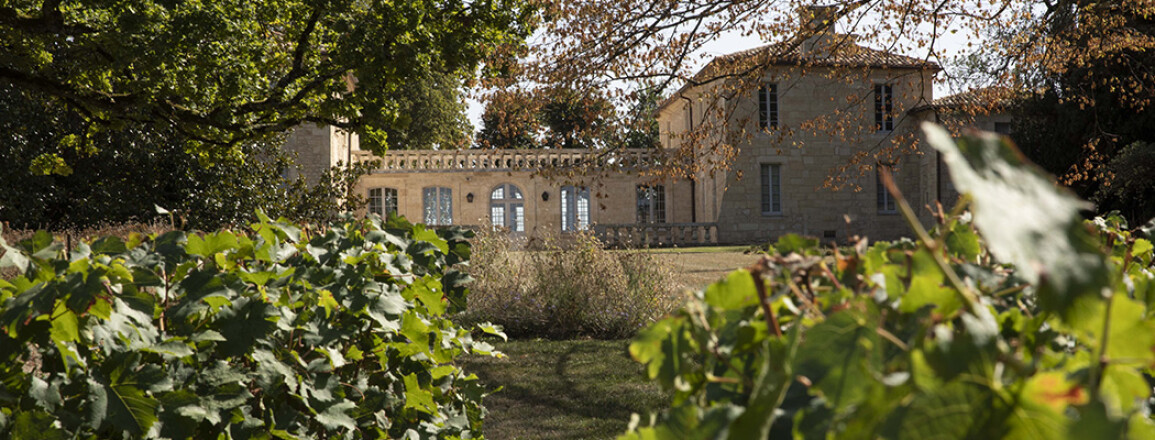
<point x="575" y="119"/>
<point x="125" y="173"/>
<point x="509" y="121"/>
<point x="223" y="72"/>
<point x="431" y="115"/>
<point x="1090" y="123"/>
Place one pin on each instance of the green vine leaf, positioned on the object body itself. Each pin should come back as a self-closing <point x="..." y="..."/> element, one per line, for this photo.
<point x="429" y="293"/>
<point x="960" y="410"/>
<point x="36" y="425"/>
<point x="336" y="416"/>
<point x="417" y="397"/>
<point x="1026" y="219"/>
<point x="927" y="339"/>
<point x="127" y="407"/>
<point x="734" y="292"/>
<point x="774" y="378"/>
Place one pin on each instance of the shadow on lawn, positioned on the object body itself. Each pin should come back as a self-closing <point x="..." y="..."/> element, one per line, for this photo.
<point x="564" y="390"/>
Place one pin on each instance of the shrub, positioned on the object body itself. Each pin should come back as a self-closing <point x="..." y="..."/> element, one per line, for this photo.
<point x="74" y="236"/>
<point x="1127" y="185"/>
<point x="284" y="332"/>
<point x="1015" y="320"/>
<point x="567" y="287"/>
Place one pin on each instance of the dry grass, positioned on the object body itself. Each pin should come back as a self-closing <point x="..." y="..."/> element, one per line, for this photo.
<point x="569" y="287"/>
<point x="122" y="230"/>
<point x="694" y="270"/>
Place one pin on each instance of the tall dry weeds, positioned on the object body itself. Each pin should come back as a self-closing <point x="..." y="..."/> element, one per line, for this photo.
<point x="565" y="287"/>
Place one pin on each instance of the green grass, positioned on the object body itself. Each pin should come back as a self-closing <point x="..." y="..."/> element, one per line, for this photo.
<point x="582" y="389"/>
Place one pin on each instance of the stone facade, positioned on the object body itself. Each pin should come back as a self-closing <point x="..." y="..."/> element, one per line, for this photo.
<point x="612" y="196"/>
<point x="471" y="176"/>
<point x="320" y="147"/>
<point x="791" y="161"/>
<point x="839" y="100"/>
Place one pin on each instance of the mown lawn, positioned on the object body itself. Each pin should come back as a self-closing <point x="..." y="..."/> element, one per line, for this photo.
<point x="693" y="269"/>
<point x="583" y="389"/>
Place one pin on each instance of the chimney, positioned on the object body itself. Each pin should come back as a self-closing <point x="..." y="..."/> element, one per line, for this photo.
<point x="816" y="25"/>
<point x="817" y="19"/>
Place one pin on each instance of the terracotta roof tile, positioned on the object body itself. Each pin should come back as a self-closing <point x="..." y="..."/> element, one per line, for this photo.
<point x="839" y="50"/>
<point x="845" y="53"/>
<point x="978" y="98"/>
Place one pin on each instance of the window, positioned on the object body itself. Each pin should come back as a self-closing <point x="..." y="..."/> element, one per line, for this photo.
<point x="507" y="208"/>
<point x="768" y="107"/>
<point x="1003" y="128"/>
<point x="651" y="204"/>
<point x="575" y="208"/>
<point x="438" y="206"/>
<point x="883" y="107"/>
<point x="383" y="201"/>
<point x="771" y="188"/>
<point x="885" y="199"/>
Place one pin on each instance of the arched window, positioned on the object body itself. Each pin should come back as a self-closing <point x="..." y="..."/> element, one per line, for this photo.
<point x="383" y="201"/>
<point x="507" y="208"/>
<point x="438" y="205"/>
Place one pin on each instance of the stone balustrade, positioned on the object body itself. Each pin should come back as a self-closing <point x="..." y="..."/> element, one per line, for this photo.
<point x="408" y="161"/>
<point x="657" y="234"/>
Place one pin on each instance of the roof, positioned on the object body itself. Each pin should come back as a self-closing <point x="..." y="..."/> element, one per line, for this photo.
<point x="982" y="97"/>
<point x="845" y="53"/>
<point x="841" y="50"/>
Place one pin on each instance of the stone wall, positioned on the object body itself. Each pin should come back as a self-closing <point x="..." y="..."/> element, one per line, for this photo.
<point x="807" y="156"/>
<point x="612" y="197"/>
<point x="318" y="148"/>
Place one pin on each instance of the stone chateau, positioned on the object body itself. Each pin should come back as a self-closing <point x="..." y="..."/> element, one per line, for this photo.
<point x="826" y="112"/>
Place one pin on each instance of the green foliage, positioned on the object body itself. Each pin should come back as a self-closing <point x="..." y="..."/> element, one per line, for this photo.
<point x="226" y="72"/>
<point x="120" y="175"/>
<point x="1127" y="183"/>
<point x="1021" y="321"/>
<point x="279" y="332"/>
<point x="566" y="288"/>
<point x="431" y="114"/>
<point x="324" y="202"/>
<point x="641" y="122"/>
